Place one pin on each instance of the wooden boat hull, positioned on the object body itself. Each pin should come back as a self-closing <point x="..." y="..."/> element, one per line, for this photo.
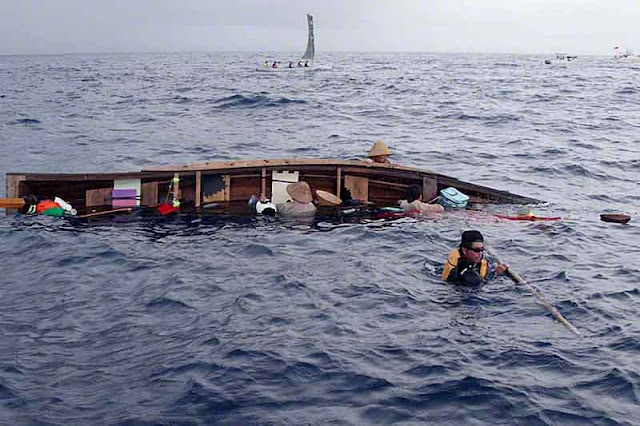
<point x="223" y="185"/>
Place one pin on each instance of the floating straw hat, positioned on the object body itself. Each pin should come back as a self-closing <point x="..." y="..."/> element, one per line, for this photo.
<point x="300" y="192"/>
<point x="327" y="199"/>
<point x="379" y="148"/>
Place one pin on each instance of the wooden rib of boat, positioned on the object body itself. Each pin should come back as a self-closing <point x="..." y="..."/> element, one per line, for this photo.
<point x="223" y="185"/>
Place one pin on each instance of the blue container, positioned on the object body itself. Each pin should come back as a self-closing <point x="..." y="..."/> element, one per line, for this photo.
<point x="451" y="197"/>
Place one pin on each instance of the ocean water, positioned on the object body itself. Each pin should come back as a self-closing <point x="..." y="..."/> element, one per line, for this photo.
<point x="323" y="321"/>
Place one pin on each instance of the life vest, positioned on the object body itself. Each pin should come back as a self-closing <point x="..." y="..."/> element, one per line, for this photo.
<point x="452" y="263"/>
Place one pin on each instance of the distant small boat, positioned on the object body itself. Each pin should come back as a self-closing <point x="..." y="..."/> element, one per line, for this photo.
<point x="626" y="54"/>
<point x="561" y="57"/>
<point x="305" y="63"/>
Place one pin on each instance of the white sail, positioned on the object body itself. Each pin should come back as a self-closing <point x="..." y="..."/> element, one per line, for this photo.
<point x="311" y="47"/>
<point x="306" y="61"/>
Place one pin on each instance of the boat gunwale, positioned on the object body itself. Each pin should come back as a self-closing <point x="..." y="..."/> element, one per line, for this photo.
<point x="235" y="167"/>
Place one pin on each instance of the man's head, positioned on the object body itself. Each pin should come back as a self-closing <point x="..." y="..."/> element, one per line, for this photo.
<point x="414" y="192"/>
<point x="472" y="246"/>
<point x="379" y="152"/>
<point x="382" y="159"/>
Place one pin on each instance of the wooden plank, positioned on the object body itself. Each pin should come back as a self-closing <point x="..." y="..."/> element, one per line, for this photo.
<point x="281" y="162"/>
<point x="149" y="194"/>
<point x="12" y="189"/>
<point x="98" y="197"/>
<point x="216" y="188"/>
<point x="187" y="191"/>
<point x="88" y="177"/>
<point x="243" y="189"/>
<point x="429" y="189"/>
<point x="245" y="175"/>
<point x="385" y="195"/>
<point x="263" y="183"/>
<point x="325" y="183"/>
<point x="198" y="189"/>
<point x="402" y="186"/>
<point x="358" y="187"/>
<point x="372" y="173"/>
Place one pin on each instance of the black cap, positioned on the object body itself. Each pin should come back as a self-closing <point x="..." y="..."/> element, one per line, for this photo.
<point x="470" y="237"/>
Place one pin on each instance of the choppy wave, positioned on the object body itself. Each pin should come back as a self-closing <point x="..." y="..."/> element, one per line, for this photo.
<point x="256" y="101"/>
<point x="27" y="121"/>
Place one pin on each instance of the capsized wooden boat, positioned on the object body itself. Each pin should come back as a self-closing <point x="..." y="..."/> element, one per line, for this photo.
<point x="220" y="186"/>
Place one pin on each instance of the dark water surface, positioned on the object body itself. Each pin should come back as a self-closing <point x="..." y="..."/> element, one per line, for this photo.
<point x="268" y="321"/>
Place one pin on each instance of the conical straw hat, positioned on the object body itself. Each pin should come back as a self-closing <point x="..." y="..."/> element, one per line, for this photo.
<point x="300" y="192"/>
<point x="327" y="199"/>
<point x="379" y="148"/>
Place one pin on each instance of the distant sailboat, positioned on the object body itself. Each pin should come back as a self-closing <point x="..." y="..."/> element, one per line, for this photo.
<point x="305" y="63"/>
<point x="310" y="52"/>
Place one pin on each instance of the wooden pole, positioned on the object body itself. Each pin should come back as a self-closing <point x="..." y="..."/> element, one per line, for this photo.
<point x="198" y="189"/>
<point x="128" y="209"/>
<point x="519" y="280"/>
<point x="13" y="203"/>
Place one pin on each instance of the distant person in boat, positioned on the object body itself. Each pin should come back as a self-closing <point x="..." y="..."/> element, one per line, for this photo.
<point x="379" y="153"/>
<point x="266" y="64"/>
<point x="301" y="200"/>
<point x="306" y="64"/>
<point x="299" y="64"/>
<point x="275" y="65"/>
<point x="467" y="265"/>
<point x="290" y="64"/>
<point x="414" y="202"/>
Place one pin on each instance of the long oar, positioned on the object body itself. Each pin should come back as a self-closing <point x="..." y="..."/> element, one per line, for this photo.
<point x="128" y="209"/>
<point x="519" y="280"/>
<point x="11" y="203"/>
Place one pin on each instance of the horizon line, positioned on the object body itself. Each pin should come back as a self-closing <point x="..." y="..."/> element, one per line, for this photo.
<point x="453" y="52"/>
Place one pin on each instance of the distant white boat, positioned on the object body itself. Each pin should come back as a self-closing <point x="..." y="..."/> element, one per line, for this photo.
<point x="626" y="54"/>
<point x="561" y="58"/>
<point x="305" y="63"/>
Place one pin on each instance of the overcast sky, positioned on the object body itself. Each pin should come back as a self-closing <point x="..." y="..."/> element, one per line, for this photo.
<point x="509" y="26"/>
